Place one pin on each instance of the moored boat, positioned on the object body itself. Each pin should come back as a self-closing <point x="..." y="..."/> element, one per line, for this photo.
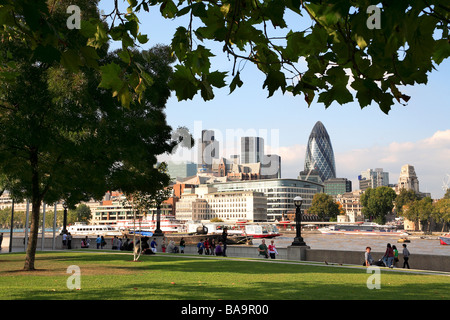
<point x="79" y="228"/>
<point x="363" y="229"/>
<point x="445" y="239"/>
<point x="168" y="224"/>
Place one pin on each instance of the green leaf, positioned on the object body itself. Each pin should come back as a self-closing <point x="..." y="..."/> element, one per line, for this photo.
<point x="442" y="51"/>
<point x="110" y="77"/>
<point x="275" y="80"/>
<point x="217" y="79"/>
<point x="236" y="82"/>
<point x="340" y="94"/>
<point x="184" y="83"/>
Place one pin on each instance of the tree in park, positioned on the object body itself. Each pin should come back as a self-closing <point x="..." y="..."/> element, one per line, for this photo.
<point x="442" y="212"/>
<point x="420" y="212"/>
<point x="324" y="206"/>
<point x="62" y="136"/>
<point x="378" y="203"/>
<point x="405" y="197"/>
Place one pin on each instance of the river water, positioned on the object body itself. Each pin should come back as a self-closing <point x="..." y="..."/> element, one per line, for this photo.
<point x="359" y="243"/>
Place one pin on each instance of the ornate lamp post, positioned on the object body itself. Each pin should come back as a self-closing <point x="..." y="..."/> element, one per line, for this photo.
<point x="64" y="229"/>
<point x="298" y="240"/>
<point x="158" y="231"/>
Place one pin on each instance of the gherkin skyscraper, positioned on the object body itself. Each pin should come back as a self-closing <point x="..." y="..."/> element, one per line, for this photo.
<point x="319" y="153"/>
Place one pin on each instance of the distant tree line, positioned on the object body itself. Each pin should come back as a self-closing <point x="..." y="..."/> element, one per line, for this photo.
<point x="378" y="203"/>
<point x="82" y="213"/>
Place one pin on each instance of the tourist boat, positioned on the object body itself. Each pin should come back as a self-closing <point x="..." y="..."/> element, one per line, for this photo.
<point x="262" y="230"/>
<point x="168" y="224"/>
<point x="445" y="239"/>
<point x="372" y="229"/>
<point x="80" y="228"/>
<point x="255" y="230"/>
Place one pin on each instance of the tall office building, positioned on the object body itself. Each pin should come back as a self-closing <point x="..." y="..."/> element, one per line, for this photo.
<point x="208" y="149"/>
<point x="373" y="178"/>
<point x="319" y="153"/>
<point x="252" y="149"/>
<point x="335" y="186"/>
<point x="177" y="170"/>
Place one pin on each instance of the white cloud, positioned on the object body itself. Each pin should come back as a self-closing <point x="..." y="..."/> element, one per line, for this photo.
<point x="430" y="158"/>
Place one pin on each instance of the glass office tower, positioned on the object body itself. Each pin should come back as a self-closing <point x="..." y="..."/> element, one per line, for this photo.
<point x="319" y="153"/>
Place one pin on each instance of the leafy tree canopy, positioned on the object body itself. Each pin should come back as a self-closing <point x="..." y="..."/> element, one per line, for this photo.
<point x="324" y="206"/>
<point x="373" y="47"/>
<point x="377" y="203"/>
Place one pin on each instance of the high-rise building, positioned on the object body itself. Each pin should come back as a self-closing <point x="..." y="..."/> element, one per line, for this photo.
<point x="208" y="150"/>
<point x="252" y="149"/>
<point x="319" y="153"/>
<point x="373" y="178"/>
<point x="335" y="186"/>
<point x="178" y="170"/>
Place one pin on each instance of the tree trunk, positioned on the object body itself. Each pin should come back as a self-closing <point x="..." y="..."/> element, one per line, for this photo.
<point x="35" y="212"/>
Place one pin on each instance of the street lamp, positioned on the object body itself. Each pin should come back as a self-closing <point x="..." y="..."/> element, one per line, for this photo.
<point x="65" y="206"/>
<point x="298" y="240"/>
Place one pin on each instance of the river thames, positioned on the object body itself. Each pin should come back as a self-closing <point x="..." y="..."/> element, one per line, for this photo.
<point x="359" y="243"/>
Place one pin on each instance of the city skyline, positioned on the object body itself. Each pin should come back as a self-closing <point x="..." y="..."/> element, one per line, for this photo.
<point x="417" y="134"/>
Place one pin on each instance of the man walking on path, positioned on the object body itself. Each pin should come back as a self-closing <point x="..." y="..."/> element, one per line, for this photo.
<point x="406" y="255"/>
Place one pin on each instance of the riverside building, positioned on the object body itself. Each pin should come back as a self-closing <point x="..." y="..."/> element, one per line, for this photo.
<point x="205" y="203"/>
<point x="280" y="193"/>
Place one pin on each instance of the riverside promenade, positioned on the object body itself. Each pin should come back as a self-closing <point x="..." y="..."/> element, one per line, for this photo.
<point x="417" y="261"/>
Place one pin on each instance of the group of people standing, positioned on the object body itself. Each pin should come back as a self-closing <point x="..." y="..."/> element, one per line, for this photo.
<point x="390" y="257"/>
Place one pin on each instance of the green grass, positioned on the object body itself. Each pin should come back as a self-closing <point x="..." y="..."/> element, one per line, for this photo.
<point x="106" y="275"/>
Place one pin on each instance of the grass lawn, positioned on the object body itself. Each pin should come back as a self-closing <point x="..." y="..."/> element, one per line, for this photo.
<point x="106" y="275"/>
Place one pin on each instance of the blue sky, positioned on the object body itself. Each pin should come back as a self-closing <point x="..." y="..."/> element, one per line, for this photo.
<point x="416" y="134"/>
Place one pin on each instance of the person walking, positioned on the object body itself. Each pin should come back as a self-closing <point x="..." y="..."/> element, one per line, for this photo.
<point x="272" y="250"/>
<point x="1" y="240"/>
<point x="98" y="241"/>
<point x="69" y="241"/>
<point x="103" y="242"/>
<point x="224" y="241"/>
<point x="64" y="240"/>
<point x="182" y="245"/>
<point x="213" y="247"/>
<point x="406" y="255"/>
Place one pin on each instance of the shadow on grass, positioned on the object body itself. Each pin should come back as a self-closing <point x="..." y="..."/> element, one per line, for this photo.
<point x="108" y="276"/>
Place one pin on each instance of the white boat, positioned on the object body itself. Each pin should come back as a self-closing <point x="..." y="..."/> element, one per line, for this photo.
<point x="255" y="230"/>
<point x="262" y="230"/>
<point x="79" y="228"/>
<point x="214" y="228"/>
<point x="168" y="224"/>
<point x="371" y="229"/>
